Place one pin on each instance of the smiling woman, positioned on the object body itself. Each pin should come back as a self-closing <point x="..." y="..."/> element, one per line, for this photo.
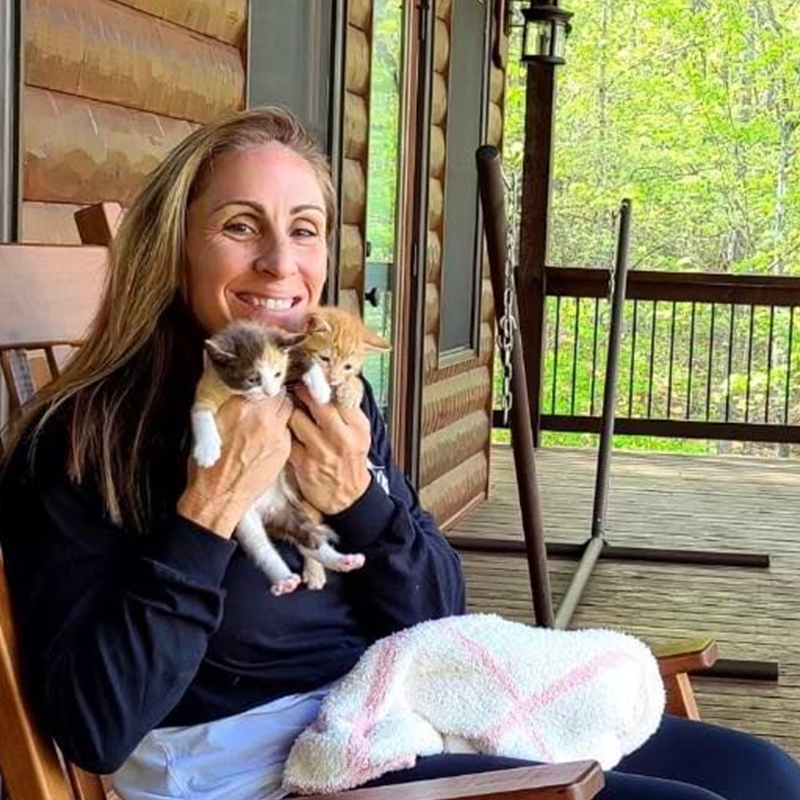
<point x="154" y="648"/>
<point x="256" y="244"/>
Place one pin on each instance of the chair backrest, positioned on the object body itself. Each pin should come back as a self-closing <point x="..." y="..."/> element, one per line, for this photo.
<point x="48" y="297"/>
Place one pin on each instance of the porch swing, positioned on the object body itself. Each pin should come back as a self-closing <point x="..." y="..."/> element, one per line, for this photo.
<point x="694" y="654"/>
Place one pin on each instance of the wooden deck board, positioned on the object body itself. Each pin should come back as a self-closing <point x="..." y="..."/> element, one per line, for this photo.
<point x="686" y="502"/>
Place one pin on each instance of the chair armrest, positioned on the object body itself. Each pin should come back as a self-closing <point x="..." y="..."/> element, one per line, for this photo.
<point x="685" y="655"/>
<point x="579" y="780"/>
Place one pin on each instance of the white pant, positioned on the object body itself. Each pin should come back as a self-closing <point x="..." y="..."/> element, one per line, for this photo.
<point x="235" y="758"/>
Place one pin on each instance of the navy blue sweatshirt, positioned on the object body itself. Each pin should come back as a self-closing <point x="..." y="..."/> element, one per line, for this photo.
<point x="122" y="633"/>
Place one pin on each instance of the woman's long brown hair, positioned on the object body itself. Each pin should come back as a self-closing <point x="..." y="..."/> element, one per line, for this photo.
<point x="112" y="391"/>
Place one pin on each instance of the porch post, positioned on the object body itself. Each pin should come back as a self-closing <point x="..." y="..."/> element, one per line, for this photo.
<point x="10" y="124"/>
<point x="536" y="173"/>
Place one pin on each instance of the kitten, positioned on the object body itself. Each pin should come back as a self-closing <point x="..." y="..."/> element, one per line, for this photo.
<point x="250" y="359"/>
<point x="331" y="356"/>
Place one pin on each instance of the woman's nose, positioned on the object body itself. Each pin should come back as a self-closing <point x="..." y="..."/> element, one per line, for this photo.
<point x="275" y="259"/>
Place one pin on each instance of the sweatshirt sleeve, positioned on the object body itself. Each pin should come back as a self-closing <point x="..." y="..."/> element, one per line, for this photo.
<point x="113" y="627"/>
<point x="411" y="573"/>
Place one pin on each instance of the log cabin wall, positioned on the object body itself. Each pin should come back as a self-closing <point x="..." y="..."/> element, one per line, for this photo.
<point x="457" y="399"/>
<point x="358" y="61"/>
<point x="110" y="87"/>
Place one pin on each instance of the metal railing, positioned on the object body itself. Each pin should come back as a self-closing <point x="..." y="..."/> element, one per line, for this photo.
<point x="705" y="356"/>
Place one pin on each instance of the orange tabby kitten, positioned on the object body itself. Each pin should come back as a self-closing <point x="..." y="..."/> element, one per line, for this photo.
<point x="329" y="360"/>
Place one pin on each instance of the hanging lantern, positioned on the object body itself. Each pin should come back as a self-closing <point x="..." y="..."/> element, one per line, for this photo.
<point x="545" y="34"/>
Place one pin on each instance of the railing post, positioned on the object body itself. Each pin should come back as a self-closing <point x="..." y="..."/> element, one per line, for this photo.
<point x="536" y="180"/>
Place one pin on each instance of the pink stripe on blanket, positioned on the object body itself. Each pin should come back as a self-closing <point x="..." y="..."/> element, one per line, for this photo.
<point x="358" y="744"/>
<point x="499" y="672"/>
<point x="576" y="678"/>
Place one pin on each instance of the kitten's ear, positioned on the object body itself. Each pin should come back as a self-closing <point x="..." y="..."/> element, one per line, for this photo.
<point x="286" y="341"/>
<point x="373" y="341"/>
<point x="217" y="354"/>
<point x="316" y="323"/>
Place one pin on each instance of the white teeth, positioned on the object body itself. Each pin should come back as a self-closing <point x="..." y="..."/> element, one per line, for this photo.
<point x="269" y="303"/>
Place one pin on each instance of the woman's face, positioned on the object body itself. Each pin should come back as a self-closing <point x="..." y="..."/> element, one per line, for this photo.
<point x="256" y="240"/>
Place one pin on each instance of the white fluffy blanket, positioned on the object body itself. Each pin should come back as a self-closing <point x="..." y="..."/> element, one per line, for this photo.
<point x="490" y="685"/>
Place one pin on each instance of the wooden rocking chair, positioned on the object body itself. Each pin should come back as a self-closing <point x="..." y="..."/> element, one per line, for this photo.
<point x="35" y="337"/>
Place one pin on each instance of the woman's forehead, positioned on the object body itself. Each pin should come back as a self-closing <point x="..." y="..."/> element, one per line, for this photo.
<point x="262" y="174"/>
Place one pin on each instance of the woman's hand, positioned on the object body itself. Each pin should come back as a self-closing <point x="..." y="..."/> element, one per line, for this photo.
<point x="329" y="454"/>
<point x="255" y="447"/>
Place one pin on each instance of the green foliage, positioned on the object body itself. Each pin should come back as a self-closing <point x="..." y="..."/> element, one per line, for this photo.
<point x="691" y="108"/>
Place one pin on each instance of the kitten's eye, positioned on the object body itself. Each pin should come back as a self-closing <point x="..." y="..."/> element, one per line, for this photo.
<point x="348" y="366"/>
<point x="278" y="374"/>
<point x="325" y="359"/>
<point x="253" y="380"/>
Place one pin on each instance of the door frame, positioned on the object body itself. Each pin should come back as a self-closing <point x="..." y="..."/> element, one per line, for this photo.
<point x="408" y="365"/>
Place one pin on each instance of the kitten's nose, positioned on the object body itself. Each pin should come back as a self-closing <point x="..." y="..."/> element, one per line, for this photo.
<point x="271" y="386"/>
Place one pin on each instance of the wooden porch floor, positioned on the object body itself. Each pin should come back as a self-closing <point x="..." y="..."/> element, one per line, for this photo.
<point x="736" y="504"/>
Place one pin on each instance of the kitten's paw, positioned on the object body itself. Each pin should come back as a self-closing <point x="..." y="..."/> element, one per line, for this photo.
<point x="314" y="576"/>
<point x="285" y="586"/>
<point x="318" y="386"/>
<point x="348" y="562"/>
<point x="207" y="451"/>
<point x="349" y="394"/>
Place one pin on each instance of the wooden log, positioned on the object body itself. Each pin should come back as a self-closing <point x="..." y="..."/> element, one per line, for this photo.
<point x="356" y="123"/>
<point x="350" y="301"/>
<point x="487" y="300"/>
<point x="355" y="192"/>
<point x="80" y="49"/>
<point x="358" y="55"/>
<point x="359" y="13"/>
<point x="495" y="129"/>
<point x="441" y="50"/>
<point x="445" y="449"/>
<point x="443" y="9"/>
<point x="435" y="204"/>
<point x="49" y="223"/>
<point x="439" y="102"/>
<point x="431" y="308"/>
<point x="449" y="400"/>
<point x="81" y="151"/>
<point x="434" y="372"/>
<point x="434" y="261"/>
<point x="430" y="357"/>
<point x="455" y="490"/>
<point x="497" y="84"/>
<point x="225" y="20"/>
<point x="351" y="260"/>
<point x="437" y="152"/>
<point x="486" y="350"/>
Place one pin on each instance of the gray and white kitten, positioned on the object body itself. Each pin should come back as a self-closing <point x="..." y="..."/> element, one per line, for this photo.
<point x="251" y="359"/>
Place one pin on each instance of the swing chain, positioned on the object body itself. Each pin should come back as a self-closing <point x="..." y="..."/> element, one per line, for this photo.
<point x="508" y="322"/>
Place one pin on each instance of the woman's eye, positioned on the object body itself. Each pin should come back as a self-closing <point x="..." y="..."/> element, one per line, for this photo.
<point x="241" y="228"/>
<point x="304" y="232"/>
